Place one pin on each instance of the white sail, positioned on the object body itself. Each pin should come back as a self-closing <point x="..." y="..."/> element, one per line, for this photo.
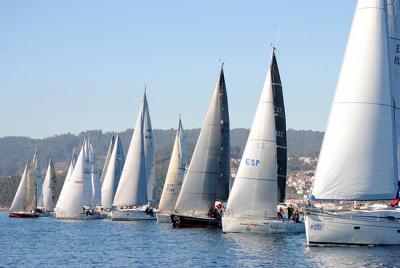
<point x="112" y="174"/>
<point x="175" y="173"/>
<point x="132" y="187"/>
<point x="95" y="179"/>
<point x="358" y="157"/>
<point x="49" y="184"/>
<point x="67" y="179"/>
<point x="19" y="201"/>
<point x="255" y="191"/>
<point x="73" y="201"/>
<point x="148" y="149"/>
<point x="87" y="195"/>
<point x="39" y="180"/>
<point x="394" y="37"/>
<point x="109" y="151"/>
<point x="198" y="193"/>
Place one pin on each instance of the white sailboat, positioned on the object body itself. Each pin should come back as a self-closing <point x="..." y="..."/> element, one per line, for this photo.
<point x="48" y="189"/>
<point x="66" y="180"/>
<point x="174" y="178"/>
<point x="207" y="178"/>
<point x="358" y="159"/>
<point x="77" y="200"/>
<point x="252" y="204"/>
<point x="112" y="173"/>
<point x="24" y="204"/>
<point x="131" y="198"/>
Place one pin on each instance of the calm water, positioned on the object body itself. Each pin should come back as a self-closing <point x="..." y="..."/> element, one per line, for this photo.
<point x="48" y="242"/>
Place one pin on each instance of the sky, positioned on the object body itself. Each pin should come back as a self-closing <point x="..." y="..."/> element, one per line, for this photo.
<point x="70" y="66"/>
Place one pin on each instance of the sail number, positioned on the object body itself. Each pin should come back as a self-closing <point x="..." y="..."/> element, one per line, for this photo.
<point x="396" y="57"/>
<point x="170" y="188"/>
<point x="252" y="162"/>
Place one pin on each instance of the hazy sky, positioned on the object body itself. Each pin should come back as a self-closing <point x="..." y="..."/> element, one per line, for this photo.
<point x="68" y="66"/>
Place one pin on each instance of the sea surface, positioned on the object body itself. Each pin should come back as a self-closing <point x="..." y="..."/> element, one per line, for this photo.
<point x="46" y="242"/>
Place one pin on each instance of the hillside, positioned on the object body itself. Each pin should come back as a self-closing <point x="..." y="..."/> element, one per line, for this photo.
<point x="14" y="151"/>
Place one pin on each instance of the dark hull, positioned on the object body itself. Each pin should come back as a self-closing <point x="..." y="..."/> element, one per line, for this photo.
<point x="191" y="222"/>
<point x="23" y="215"/>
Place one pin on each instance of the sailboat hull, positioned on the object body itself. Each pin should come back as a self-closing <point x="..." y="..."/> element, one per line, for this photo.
<point x="379" y="227"/>
<point x="193" y="222"/>
<point x="137" y="214"/>
<point x="23" y="214"/>
<point x="163" y="218"/>
<point x="76" y="216"/>
<point x="261" y="226"/>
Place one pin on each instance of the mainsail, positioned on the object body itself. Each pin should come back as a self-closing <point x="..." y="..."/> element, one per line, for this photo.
<point x="112" y="173"/>
<point x="394" y="45"/>
<point x="49" y="184"/>
<point x="109" y="151"/>
<point x="255" y="191"/>
<point x="206" y="172"/>
<point x="20" y="198"/>
<point x="132" y="187"/>
<point x="67" y="179"/>
<point x="75" y="197"/>
<point x="280" y="124"/>
<point x="358" y="158"/>
<point x="175" y="173"/>
<point x="95" y="179"/>
<point x="148" y="149"/>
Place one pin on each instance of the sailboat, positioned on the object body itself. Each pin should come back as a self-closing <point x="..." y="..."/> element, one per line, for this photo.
<point x="66" y="180"/>
<point x="112" y="173"/>
<point x="174" y="178"/>
<point x="207" y="178"/>
<point x="131" y="201"/>
<point x="77" y="200"/>
<point x="48" y="189"/>
<point x="252" y="204"/>
<point x="24" y="204"/>
<point x="358" y="159"/>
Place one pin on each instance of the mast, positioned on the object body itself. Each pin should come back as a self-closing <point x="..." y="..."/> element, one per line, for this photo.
<point x="132" y="187"/>
<point x="358" y="155"/>
<point x="199" y="189"/>
<point x="255" y="191"/>
<point x="280" y="124"/>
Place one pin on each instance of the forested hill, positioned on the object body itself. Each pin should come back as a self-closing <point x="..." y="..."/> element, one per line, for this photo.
<point x="14" y="151"/>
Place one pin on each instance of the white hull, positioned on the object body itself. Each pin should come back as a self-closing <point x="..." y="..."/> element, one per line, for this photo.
<point x="163" y="218"/>
<point x="261" y="226"/>
<point x="356" y="227"/>
<point x="76" y="216"/>
<point x="131" y="215"/>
